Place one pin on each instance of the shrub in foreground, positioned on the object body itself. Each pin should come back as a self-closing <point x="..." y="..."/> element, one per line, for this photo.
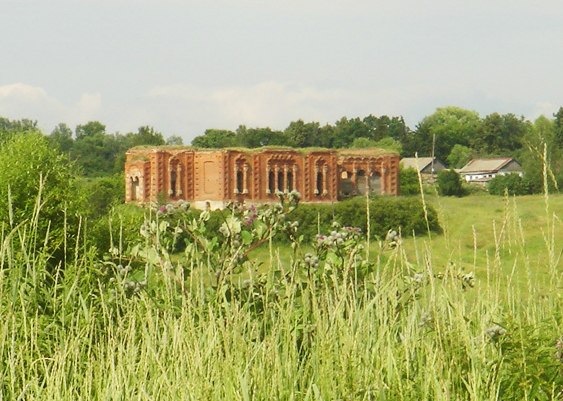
<point x="331" y="323"/>
<point x="36" y="177"/>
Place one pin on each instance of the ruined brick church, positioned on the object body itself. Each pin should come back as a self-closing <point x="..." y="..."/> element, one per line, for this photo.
<point x="215" y="177"/>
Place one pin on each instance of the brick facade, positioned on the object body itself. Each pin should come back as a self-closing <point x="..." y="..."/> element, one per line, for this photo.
<point x="256" y="175"/>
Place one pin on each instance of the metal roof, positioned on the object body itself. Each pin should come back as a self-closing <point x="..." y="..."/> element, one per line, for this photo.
<point x="417" y="163"/>
<point x="485" y="165"/>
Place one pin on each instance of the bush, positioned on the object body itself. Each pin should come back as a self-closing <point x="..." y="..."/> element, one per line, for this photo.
<point x="102" y="193"/>
<point x="119" y="227"/>
<point x="386" y="213"/>
<point x="450" y="183"/>
<point x="511" y="183"/>
<point x="408" y="180"/>
<point x="32" y="170"/>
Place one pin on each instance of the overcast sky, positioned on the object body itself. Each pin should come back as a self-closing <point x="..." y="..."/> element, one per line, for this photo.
<point x="184" y="66"/>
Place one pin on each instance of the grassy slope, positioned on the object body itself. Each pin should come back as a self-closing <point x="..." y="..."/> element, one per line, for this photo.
<point x="481" y="233"/>
<point x="489" y="233"/>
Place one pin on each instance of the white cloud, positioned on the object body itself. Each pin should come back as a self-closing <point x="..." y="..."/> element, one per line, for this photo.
<point x="21" y="100"/>
<point x="270" y="103"/>
<point x="20" y="91"/>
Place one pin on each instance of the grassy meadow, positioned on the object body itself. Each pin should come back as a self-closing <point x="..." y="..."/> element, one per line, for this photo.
<point x="516" y="237"/>
<point x="474" y="313"/>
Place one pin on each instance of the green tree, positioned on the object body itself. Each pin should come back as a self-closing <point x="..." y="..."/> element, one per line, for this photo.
<point x="61" y="137"/>
<point x="301" y="135"/>
<point x="513" y="184"/>
<point x="384" y="127"/>
<point x="363" y="143"/>
<point x="541" y="138"/>
<point x="175" y="140"/>
<point x="389" y="143"/>
<point x="32" y="169"/>
<point x="102" y="193"/>
<point x="558" y="128"/>
<point x="347" y="130"/>
<point x="408" y="181"/>
<point x="9" y="128"/>
<point x="215" y="139"/>
<point x="500" y="134"/>
<point x="97" y="154"/>
<point x="326" y="136"/>
<point x="258" y="137"/>
<point x="450" y="183"/>
<point x="386" y="143"/>
<point x="459" y="156"/>
<point x="145" y="135"/>
<point x="91" y="128"/>
<point x="446" y="127"/>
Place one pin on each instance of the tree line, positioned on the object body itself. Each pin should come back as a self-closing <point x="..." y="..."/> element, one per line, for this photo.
<point x="95" y="152"/>
<point x="453" y="134"/>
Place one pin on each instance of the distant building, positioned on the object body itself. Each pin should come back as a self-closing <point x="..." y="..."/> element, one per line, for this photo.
<point x="218" y="176"/>
<point x="423" y="164"/>
<point x="484" y="170"/>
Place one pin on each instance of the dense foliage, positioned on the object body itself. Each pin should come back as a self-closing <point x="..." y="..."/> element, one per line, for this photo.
<point x="450" y="183"/>
<point x="511" y="184"/>
<point x="386" y="213"/>
<point x="36" y="179"/>
<point x="409" y="181"/>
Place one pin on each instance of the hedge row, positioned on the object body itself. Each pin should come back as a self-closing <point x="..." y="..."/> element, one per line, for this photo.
<point x="386" y="213"/>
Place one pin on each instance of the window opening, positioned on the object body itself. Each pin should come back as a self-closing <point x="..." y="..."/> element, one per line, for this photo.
<point x="239" y="182"/>
<point x="173" y="183"/>
<point x="290" y="186"/>
<point x="271" y="187"/>
<point x="280" y="181"/>
<point x="319" y="183"/>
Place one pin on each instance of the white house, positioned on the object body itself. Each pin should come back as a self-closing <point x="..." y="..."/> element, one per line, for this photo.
<point x="484" y="170"/>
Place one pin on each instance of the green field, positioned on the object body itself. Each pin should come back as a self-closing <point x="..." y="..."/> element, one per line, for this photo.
<point x="517" y="238"/>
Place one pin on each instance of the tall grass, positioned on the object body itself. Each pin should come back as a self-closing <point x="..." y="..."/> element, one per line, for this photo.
<point x="405" y="332"/>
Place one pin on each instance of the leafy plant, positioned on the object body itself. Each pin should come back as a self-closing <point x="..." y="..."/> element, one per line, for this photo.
<point x="450" y="183"/>
<point x="513" y="184"/>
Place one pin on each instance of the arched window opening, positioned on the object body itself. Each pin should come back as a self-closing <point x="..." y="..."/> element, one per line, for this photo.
<point x="346" y="186"/>
<point x="280" y="181"/>
<point x="375" y="183"/>
<point x="319" y="189"/>
<point x="240" y="180"/>
<point x="361" y="182"/>
<point x="134" y="181"/>
<point x="173" y="183"/>
<point x="271" y="186"/>
<point x="290" y="186"/>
